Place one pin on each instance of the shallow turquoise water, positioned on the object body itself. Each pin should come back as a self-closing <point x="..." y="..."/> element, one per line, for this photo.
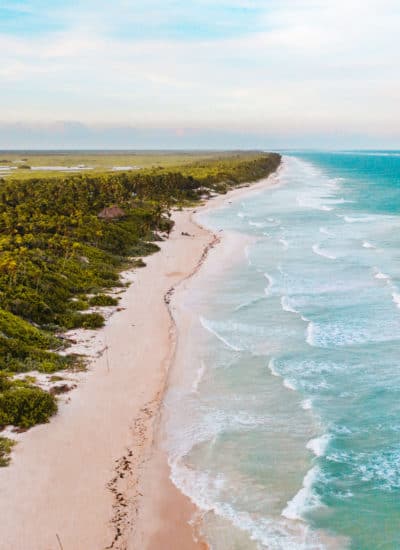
<point x="289" y="432"/>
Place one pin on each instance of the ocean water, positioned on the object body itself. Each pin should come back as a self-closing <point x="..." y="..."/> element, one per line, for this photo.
<point x="285" y="429"/>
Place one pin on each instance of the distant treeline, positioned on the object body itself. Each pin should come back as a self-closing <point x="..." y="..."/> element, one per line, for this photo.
<point x="55" y="250"/>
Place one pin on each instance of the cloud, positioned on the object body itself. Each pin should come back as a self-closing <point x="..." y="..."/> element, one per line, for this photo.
<point x="250" y="67"/>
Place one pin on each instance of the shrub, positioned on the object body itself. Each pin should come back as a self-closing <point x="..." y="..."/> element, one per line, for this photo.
<point x="6" y="446"/>
<point x="81" y="320"/>
<point x="79" y="305"/>
<point x="26" y="406"/>
<point x="143" y="249"/>
<point x="103" y="300"/>
<point x="92" y="320"/>
<point x="15" y="327"/>
<point x="5" y="382"/>
<point x="56" y="378"/>
<point x="138" y="263"/>
<point x="17" y="356"/>
<point x="55" y="363"/>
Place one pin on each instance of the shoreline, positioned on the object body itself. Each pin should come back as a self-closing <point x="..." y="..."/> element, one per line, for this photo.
<point x="101" y="449"/>
<point x="165" y="518"/>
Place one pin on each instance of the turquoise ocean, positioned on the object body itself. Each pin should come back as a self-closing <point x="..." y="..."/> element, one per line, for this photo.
<point x="286" y="430"/>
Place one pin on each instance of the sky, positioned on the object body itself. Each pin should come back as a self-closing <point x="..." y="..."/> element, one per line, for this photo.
<point x="200" y="73"/>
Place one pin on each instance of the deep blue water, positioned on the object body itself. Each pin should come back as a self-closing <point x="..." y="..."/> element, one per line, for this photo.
<point x="292" y="434"/>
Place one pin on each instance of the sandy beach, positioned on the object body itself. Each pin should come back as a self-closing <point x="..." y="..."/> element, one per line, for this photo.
<point x="166" y="518"/>
<point x="96" y="477"/>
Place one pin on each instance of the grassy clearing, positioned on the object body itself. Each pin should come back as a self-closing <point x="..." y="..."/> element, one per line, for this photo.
<point x="100" y="161"/>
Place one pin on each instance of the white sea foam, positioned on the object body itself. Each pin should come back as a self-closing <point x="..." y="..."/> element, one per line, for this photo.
<point x="380" y="275"/>
<point x="354" y="331"/>
<point x="270" y="280"/>
<point x="309" y="202"/>
<point x="334" y="183"/>
<point x="363" y="219"/>
<point x="396" y="298"/>
<point x="257" y="224"/>
<point x="310" y="336"/>
<point x="247" y="254"/>
<point x="206" y="426"/>
<point x="333" y="335"/>
<point x="207" y="325"/>
<point x="206" y="491"/>
<point x="271" y="366"/>
<point x="370" y="154"/>
<point x="317" y="250"/>
<point x="243" y="305"/>
<point x="381" y="468"/>
<point x="286" y="305"/>
<point x="284" y="243"/>
<point x="319" y="445"/>
<point x="306" y="404"/>
<point x="367" y="244"/>
<point x="341" y="200"/>
<point x="326" y="231"/>
<point x="289" y="384"/>
<point x="305" y="500"/>
<point x="198" y="378"/>
<point x="272" y="222"/>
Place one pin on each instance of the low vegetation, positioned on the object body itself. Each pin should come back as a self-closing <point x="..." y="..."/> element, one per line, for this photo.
<point x="103" y="300"/>
<point x="22" y="404"/>
<point x="6" y="446"/>
<point x="57" y="256"/>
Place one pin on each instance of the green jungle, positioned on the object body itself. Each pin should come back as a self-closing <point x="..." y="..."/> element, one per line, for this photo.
<point x="64" y="241"/>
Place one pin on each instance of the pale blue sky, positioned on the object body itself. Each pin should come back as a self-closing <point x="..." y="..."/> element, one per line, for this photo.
<point x="152" y="19"/>
<point x="295" y="73"/>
